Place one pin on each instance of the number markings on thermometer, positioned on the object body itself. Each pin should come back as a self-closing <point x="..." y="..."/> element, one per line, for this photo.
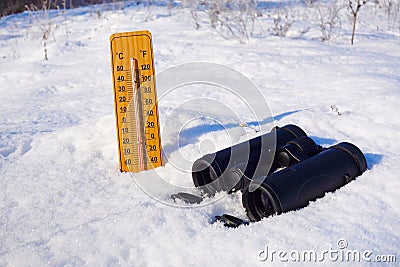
<point x="139" y="140"/>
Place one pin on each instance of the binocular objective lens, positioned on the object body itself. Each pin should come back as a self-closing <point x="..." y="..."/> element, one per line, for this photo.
<point x="268" y="209"/>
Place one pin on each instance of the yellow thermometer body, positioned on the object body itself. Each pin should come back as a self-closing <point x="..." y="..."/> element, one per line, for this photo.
<point x="139" y="140"/>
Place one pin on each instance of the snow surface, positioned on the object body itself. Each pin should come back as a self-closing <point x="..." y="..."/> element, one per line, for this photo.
<point x="63" y="201"/>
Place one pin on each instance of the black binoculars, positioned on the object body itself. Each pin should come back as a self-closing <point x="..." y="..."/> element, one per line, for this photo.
<point x="277" y="172"/>
<point x="232" y="168"/>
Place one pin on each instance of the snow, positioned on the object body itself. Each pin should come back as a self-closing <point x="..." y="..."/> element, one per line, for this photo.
<point x="63" y="201"/>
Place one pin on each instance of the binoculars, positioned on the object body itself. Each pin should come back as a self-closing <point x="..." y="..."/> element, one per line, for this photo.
<point x="277" y="172"/>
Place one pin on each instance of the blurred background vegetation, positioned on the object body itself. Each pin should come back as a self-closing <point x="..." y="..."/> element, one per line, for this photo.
<point x="8" y="7"/>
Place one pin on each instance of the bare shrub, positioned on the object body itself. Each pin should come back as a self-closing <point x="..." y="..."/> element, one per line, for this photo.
<point x="282" y="21"/>
<point x="192" y="6"/>
<point x="354" y="7"/>
<point x="232" y="19"/>
<point x="330" y="22"/>
<point x="40" y="16"/>
<point x="149" y="6"/>
<point x="393" y="14"/>
<point x="64" y="11"/>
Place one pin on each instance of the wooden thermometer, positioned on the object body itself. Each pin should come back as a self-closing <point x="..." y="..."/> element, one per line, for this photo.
<point x="138" y="128"/>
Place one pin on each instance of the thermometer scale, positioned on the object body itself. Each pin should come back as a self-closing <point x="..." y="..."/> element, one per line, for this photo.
<point x="138" y="130"/>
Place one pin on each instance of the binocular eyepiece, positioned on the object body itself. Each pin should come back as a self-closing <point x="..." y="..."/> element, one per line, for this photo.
<point x="279" y="171"/>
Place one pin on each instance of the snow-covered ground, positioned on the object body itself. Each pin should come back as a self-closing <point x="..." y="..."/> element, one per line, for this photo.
<point x="63" y="201"/>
